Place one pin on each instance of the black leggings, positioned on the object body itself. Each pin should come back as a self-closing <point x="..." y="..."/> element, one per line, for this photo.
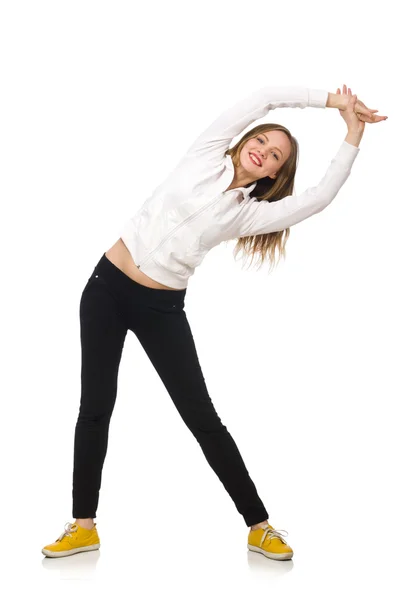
<point x="111" y="304"/>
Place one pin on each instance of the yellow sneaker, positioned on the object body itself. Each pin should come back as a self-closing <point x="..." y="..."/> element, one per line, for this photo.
<point x="74" y="539"/>
<point x="269" y="542"/>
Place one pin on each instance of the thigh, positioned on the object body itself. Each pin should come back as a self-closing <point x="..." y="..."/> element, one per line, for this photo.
<point x="102" y="333"/>
<point x="168" y="341"/>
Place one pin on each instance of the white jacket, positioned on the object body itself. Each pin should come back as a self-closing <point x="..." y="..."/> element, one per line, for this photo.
<point x="190" y="213"/>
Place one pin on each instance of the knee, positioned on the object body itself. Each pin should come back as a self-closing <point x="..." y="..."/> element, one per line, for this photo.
<point x="205" y="422"/>
<point x="94" y="418"/>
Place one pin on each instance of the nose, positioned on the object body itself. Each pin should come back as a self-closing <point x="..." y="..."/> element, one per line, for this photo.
<point x="262" y="153"/>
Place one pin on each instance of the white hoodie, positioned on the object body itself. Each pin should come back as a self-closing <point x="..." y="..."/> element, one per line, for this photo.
<point x="190" y="213"/>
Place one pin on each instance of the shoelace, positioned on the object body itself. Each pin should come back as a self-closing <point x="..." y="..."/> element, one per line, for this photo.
<point x="273" y="533"/>
<point x="69" y="528"/>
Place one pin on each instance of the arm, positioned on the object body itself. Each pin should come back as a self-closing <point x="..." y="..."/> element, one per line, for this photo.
<point x="265" y="217"/>
<point x="213" y="143"/>
<point x="336" y="101"/>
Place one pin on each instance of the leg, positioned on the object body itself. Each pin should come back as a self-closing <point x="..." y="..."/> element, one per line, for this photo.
<point x="168" y="341"/>
<point x="102" y="339"/>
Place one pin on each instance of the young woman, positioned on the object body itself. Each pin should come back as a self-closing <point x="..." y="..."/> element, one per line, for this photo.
<point x="140" y="284"/>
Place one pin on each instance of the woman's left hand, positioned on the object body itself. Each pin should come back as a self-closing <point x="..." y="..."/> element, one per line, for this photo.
<point x="356" y="122"/>
<point x="363" y="113"/>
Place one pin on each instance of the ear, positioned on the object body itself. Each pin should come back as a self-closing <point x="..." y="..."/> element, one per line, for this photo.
<point x="274" y="176"/>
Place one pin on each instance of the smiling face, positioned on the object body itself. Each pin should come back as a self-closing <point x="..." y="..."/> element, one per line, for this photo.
<point x="264" y="155"/>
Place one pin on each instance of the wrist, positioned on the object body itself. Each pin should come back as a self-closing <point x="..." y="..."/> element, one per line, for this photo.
<point x="353" y="137"/>
<point x="336" y="101"/>
<point x="333" y="100"/>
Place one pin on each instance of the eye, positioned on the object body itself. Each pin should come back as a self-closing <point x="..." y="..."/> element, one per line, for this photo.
<point x="274" y="154"/>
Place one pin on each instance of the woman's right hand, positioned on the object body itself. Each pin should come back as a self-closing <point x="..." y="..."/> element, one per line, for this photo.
<point x="363" y="112"/>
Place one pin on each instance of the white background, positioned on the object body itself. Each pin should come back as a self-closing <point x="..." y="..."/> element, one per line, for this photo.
<point x="99" y="101"/>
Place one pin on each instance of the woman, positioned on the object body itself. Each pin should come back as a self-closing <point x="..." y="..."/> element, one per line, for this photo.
<point x="140" y="284"/>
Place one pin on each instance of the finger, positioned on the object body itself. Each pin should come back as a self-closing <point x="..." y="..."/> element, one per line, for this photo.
<point x="360" y="107"/>
<point x="372" y="119"/>
<point x="367" y="111"/>
<point x="363" y="111"/>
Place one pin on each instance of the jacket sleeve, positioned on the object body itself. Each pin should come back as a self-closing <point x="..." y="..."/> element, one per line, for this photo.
<point x="213" y="143"/>
<point x="265" y="217"/>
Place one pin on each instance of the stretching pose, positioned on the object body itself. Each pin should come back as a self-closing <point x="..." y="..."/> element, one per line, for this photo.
<point x="215" y="193"/>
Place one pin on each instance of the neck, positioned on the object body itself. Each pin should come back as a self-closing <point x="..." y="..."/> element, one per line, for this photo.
<point x="241" y="178"/>
<point x="243" y="182"/>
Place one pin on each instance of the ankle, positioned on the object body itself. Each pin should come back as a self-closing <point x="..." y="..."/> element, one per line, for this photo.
<point x="259" y="525"/>
<point x="85" y="523"/>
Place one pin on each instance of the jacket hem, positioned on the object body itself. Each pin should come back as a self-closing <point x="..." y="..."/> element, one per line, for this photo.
<point x="163" y="276"/>
<point x="151" y="268"/>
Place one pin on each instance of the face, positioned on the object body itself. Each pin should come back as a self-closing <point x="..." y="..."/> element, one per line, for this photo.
<point x="272" y="148"/>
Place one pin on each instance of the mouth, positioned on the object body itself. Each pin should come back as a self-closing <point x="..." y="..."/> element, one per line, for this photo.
<point x="254" y="156"/>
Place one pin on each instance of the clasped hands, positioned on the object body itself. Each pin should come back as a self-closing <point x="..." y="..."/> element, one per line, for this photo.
<point x="363" y="113"/>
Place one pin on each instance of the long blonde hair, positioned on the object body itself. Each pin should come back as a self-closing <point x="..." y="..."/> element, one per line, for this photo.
<point x="265" y="245"/>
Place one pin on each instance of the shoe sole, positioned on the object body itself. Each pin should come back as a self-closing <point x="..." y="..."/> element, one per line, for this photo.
<point x="53" y="554"/>
<point x="284" y="556"/>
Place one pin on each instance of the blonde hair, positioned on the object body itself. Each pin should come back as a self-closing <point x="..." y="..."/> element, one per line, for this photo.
<point x="265" y="245"/>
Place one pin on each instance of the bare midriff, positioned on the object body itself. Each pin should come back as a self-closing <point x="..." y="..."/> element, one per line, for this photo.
<point x="120" y="256"/>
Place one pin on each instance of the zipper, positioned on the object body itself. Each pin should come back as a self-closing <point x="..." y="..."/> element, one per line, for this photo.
<point x="167" y="237"/>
